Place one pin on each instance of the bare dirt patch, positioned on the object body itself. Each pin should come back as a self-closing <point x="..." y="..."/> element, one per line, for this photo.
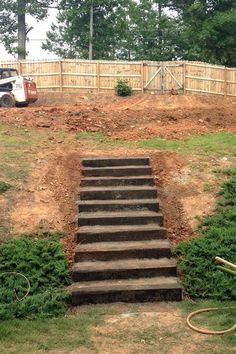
<point x="140" y="116"/>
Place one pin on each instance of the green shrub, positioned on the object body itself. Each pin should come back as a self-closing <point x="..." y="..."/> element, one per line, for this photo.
<point x="217" y="237"/>
<point x="4" y="187"/>
<point x="43" y="262"/>
<point x="123" y="89"/>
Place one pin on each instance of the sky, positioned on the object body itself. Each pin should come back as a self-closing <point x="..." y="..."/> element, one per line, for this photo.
<point x="36" y="37"/>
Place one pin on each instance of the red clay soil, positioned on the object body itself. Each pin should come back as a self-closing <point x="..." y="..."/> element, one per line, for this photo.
<point x="140" y="116"/>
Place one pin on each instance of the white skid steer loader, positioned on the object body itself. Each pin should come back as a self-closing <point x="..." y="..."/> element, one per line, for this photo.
<point x="16" y="90"/>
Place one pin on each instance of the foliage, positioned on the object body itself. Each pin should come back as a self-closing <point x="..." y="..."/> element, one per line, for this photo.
<point x="216" y="238"/>
<point x="123" y="89"/>
<point x="208" y="30"/>
<point x="4" y="187"/>
<point x="11" y="12"/>
<point x="42" y="261"/>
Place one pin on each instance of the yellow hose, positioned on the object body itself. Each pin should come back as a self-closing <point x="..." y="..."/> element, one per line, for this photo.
<point x="205" y="330"/>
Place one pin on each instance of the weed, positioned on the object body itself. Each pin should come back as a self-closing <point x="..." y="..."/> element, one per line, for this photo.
<point x="4" y="187"/>
<point x="207" y="187"/>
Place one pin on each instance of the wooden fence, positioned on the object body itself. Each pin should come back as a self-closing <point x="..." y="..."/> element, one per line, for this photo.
<point x="101" y="76"/>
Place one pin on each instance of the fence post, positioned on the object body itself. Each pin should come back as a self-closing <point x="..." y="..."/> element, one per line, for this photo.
<point x="60" y="76"/>
<point x="98" y="76"/>
<point x="225" y="81"/>
<point x="184" y="78"/>
<point x="142" y="77"/>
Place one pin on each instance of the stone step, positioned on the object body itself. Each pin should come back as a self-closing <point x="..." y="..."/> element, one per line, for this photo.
<point x="123" y="269"/>
<point x="118" y="205"/>
<point x="126" y="290"/>
<point x="107" y="251"/>
<point x="115" y="161"/>
<point x="120" y="218"/>
<point x="88" y="234"/>
<point x="117" y="181"/>
<point x="117" y="171"/>
<point x="118" y="192"/>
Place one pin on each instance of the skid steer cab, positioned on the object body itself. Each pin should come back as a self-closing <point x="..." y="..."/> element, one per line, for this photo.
<point x="16" y="90"/>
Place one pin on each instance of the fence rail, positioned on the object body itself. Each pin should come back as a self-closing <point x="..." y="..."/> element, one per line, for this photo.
<point x="101" y="76"/>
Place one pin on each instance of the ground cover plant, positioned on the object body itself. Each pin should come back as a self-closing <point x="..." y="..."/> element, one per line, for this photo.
<point x="41" y="259"/>
<point x="216" y="238"/>
<point x="4" y="187"/>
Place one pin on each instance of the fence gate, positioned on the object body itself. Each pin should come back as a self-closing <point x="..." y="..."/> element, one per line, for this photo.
<point x="163" y="77"/>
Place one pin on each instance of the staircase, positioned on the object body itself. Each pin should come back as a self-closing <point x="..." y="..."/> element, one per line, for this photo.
<point x="122" y="252"/>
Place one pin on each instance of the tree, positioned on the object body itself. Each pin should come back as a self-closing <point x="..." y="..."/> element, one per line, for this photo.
<point x="71" y="36"/>
<point x="13" y="26"/>
<point x="209" y="30"/>
<point x="122" y="29"/>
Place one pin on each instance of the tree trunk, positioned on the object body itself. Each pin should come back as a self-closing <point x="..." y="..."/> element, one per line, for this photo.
<point x="91" y="33"/>
<point x="21" y="29"/>
<point x="159" y="25"/>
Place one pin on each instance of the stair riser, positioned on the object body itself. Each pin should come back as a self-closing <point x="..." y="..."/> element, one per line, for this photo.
<point x="127" y="254"/>
<point x="116" y="207"/>
<point x="107" y="195"/>
<point x="123" y="274"/>
<point x="138" y="171"/>
<point x="120" y="236"/>
<point x="107" y="162"/>
<point x="81" y="298"/>
<point x="121" y="182"/>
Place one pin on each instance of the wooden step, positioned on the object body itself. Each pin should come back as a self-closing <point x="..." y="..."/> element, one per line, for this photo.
<point x="126" y="290"/>
<point x="117" y="181"/>
<point x="106" y="251"/>
<point x="118" y="192"/>
<point x="115" y="161"/>
<point x="123" y="269"/>
<point x="89" y="234"/>
<point x="120" y="218"/>
<point x="117" y="171"/>
<point x="119" y="205"/>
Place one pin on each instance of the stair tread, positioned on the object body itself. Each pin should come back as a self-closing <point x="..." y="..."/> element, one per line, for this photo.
<point x="122" y="246"/>
<point x="126" y="284"/>
<point x="117" y="228"/>
<point x="118" y="201"/>
<point x="135" y="263"/>
<point x="117" y="178"/>
<point x="123" y="167"/>
<point x="118" y="214"/>
<point x="116" y="188"/>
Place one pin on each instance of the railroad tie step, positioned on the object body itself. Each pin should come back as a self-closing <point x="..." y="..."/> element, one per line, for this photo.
<point x="117" y="171"/>
<point x="118" y="192"/>
<point x="88" y="234"/>
<point x="118" y="205"/>
<point x="124" y="269"/>
<point x="112" y="162"/>
<point x="126" y="290"/>
<point x="120" y="218"/>
<point x="117" y="181"/>
<point x="102" y="251"/>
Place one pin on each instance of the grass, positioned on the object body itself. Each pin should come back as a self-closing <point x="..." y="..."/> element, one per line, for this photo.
<point x="68" y="332"/>
<point x="16" y="149"/>
<point x="222" y="144"/>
